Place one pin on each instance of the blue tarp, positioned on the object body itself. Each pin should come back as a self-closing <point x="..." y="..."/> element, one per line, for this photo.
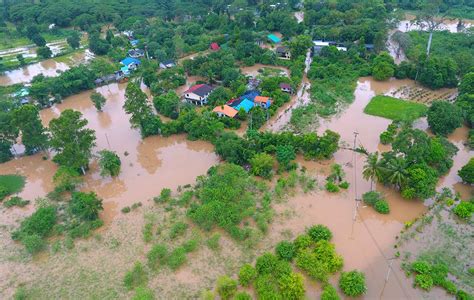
<point x="246" y="104"/>
<point x="125" y="70"/>
<point x="130" y="60"/>
<point x="274" y="38"/>
<point x="250" y="95"/>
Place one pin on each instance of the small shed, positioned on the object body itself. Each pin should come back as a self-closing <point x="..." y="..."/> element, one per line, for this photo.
<point x="167" y="64"/>
<point x="283" y="52"/>
<point x="214" y="46"/>
<point x="285" y="87"/>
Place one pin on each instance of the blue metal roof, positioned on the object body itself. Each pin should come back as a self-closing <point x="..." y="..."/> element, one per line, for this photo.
<point x="250" y="95"/>
<point x="129" y="60"/>
<point x="274" y="38"/>
<point x="246" y="104"/>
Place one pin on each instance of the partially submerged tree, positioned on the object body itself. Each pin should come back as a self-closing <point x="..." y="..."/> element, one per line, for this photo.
<point x="98" y="100"/>
<point x="71" y="140"/>
<point x="109" y="163"/>
<point x="33" y="134"/>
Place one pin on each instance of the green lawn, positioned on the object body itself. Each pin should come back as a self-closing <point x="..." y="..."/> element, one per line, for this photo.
<point x="12" y="183"/>
<point x="395" y="109"/>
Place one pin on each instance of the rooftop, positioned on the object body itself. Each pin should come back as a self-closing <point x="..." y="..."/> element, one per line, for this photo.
<point x="226" y="110"/>
<point x="246" y="104"/>
<point x="274" y="38"/>
<point x="200" y="89"/>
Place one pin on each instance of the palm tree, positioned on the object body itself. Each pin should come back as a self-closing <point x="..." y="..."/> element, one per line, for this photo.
<point x="373" y="168"/>
<point x="396" y="170"/>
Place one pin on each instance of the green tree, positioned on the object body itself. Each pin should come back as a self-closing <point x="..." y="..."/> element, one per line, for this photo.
<point x="141" y="115"/>
<point x="86" y="205"/>
<point x="74" y="40"/>
<point x="300" y="44"/>
<point x="373" y="168"/>
<point x="219" y="96"/>
<point x="467" y="172"/>
<point x="285" y="154"/>
<point x="21" y="59"/>
<point x="33" y="136"/>
<point x="44" y="52"/>
<point x="384" y="66"/>
<point x="98" y="100"/>
<point x="8" y="135"/>
<point x="109" y="163"/>
<point x="71" y="140"/>
<point x="397" y="171"/>
<point x="168" y="104"/>
<point x="262" y="165"/>
<point x="467" y="84"/>
<point x="444" y="117"/>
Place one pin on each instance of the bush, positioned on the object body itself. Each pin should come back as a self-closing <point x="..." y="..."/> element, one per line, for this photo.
<point x="41" y="223"/>
<point x="464" y="210"/>
<point x="3" y="192"/>
<point x="262" y="165"/>
<point x="165" y="195"/>
<point x="424" y="281"/>
<point x="344" y="185"/>
<point x="326" y="253"/>
<point x="307" y="261"/>
<point x="267" y="287"/>
<point x="16" y="201"/>
<point x="329" y="293"/>
<point x="302" y="242"/>
<point x="319" y="232"/>
<point x="86" y="205"/>
<point x="421" y="267"/>
<point x="285" y="250"/>
<point x="449" y="286"/>
<point x="439" y="272"/>
<point x="213" y="241"/>
<point x="226" y="287"/>
<point x="467" y="172"/>
<point x="143" y="293"/>
<point x="331" y="187"/>
<point x="462" y="295"/>
<point x="66" y="179"/>
<point x="266" y="263"/>
<point x="33" y="243"/>
<point x="157" y="255"/>
<point x="370" y="198"/>
<point x="10" y="184"/>
<point x="291" y="286"/>
<point x="352" y="283"/>
<point x="242" y="296"/>
<point x="126" y="210"/>
<point x="177" y="258"/>
<point x="191" y="245"/>
<point x="178" y="229"/>
<point x="109" y="163"/>
<point x="247" y="274"/>
<point x="136" y="277"/>
<point x="382" y="207"/>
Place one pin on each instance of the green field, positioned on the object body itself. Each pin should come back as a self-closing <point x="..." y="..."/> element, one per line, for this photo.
<point x="395" y="109"/>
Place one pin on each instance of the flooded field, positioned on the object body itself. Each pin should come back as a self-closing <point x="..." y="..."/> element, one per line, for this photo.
<point x="257" y="69"/>
<point x="49" y="67"/>
<point x="450" y="24"/>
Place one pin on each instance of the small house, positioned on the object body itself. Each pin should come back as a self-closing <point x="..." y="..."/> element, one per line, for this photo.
<point x="214" y="46"/>
<point x="225" y="111"/>
<point x="273" y="38"/>
<point x="136" y="53"/>
<point x="285" y="87"/>
<point x="263" y="102"/>
<point x="245" y="104"/>
<point x="131" y="63"/>
<point x="167" y="64"/>
<point x="283" y="52"/>
<point x="198" y="94"/>
<point x="134" y="43"/>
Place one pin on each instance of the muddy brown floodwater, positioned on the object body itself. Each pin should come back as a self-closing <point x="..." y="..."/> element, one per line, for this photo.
<point x="148" y="165"/>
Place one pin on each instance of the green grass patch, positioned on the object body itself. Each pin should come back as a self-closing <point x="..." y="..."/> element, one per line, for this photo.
<point x="12" y="183"/>
<point x="395" y="109"/>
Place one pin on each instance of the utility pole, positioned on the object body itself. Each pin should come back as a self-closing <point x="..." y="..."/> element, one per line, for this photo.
<point x="355" y="176"/>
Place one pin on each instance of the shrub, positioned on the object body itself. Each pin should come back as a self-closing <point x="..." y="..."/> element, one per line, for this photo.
<point x="33" y="243"/>
<point x="462" y="295"/>
<point x="136" y="277"/>
<point x="302" y="242"/>
<point x="178" y="229"/>
<point x="86" y="205"/>
<point x="370" y="198"/>
<point x="352" y="283"/>
<point x="66" y="179"/>
<point x="319" y="232"/>
<point x="467" y="172"/>
<point x="247" y="274"/>
<point x="382" y="207"/>
<point x="307" y="261"/>
<point x="157" y="255"/>
<point x="11" y="184"/>
<point x="213" y="241"/>
<point x="191" y="245"/>
<point x="331" y="187"/>
<point x="41" y="223"/>
<point x="387" y="137"/>
<point x="285" y="250"/>
<point x="344" y="185"/>
<point x="464" y="210"/>
<point x="226" y="287"/>
<point x="3" y="192"/>
<point x="291" y="286"/>
<point x="329" y="293"/>
<point x="267" y="287"/>
<point x="326" y="253"/>
<point x="165" y="195"/>
<point x="421" y="267"/>
<point x="424" y="281"/>
<point x="439" y="272"/>
<point x="262" y="165"/>
<point x="143" y="293"/>
<point x="126" y="209"/>
<point x="16" y="201"/>
<point x="266" y="263"/>
<point x="242" y="296"/>
<point x="449" y="286"/>
<point x="177" y="258"/>
<point x="109" y="163"/>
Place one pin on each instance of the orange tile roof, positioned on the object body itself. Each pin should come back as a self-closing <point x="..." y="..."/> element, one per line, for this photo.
<point x="261" y="99"/>
<point x="226" y="110"/>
